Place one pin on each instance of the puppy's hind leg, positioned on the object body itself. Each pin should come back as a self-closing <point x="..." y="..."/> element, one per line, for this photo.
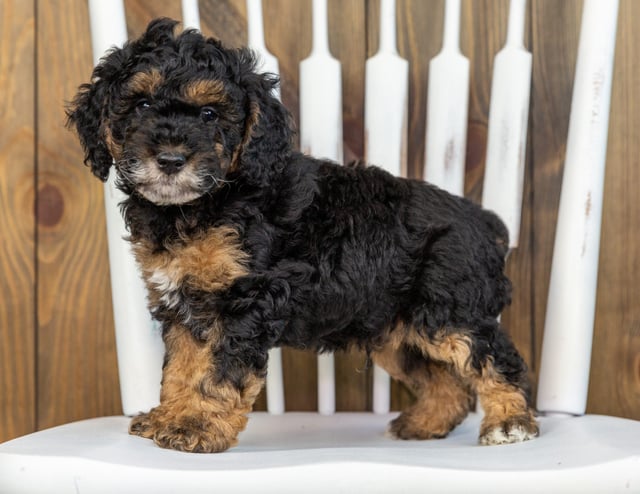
<point x="485" y="357"/>
<point x="502" y="390"/>
<point x="443" y="400"/>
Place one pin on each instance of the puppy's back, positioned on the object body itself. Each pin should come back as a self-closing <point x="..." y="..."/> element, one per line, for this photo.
<point x="442" y="256"/>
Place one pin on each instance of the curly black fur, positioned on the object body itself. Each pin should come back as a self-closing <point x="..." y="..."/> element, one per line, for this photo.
<point x="339" y="256"/>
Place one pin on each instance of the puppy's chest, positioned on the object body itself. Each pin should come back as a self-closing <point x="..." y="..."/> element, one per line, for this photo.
<point x="208" y="263"/>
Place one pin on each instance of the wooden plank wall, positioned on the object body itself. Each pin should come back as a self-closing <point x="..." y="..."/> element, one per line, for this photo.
<point x="57" y="349"/>
<point x="17" y="228"/>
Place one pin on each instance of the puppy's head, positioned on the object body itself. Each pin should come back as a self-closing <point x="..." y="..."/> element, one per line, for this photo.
<point x="180" y="115"/>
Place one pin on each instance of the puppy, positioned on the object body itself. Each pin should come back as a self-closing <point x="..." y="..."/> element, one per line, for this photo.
<point x="246" y="244"/>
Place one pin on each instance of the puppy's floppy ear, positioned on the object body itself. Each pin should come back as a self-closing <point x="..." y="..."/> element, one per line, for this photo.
<point x="267" y="140"/>
<point x="90" y="110"/>
<point x="88" y="113"/>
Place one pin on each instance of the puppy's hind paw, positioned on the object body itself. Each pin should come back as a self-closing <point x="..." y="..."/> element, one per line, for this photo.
<point x="514" y="430"/>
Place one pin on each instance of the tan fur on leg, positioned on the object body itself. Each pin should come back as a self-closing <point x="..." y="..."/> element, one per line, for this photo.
<point x="508" y="418"/>
<point x="195" y="413"/>
<point x="442" y="399"/>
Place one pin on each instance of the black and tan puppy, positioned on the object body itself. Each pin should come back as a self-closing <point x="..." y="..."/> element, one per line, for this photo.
<point x="246" y="244"/>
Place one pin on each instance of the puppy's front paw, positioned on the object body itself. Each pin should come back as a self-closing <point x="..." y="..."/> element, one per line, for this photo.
<point x="513" y="430"/>
<point x="141" y="425"/>
<point x="190" y="433"/>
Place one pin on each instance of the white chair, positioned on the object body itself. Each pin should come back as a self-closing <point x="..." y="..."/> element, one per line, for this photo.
<point x="310" y="452"/>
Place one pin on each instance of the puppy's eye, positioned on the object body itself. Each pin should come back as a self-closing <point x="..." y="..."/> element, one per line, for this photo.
<point x="142" y="104"/>
<point x="208" y="114"/>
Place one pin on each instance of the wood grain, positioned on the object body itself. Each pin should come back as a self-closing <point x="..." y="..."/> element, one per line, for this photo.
<point x="347" y="41"/>
<point x="555" y="29"/>
<point x="484" y="32"/>
<point x="77" y="375"/>
<point x="17" y="280"/>
<point x="418" y="46"/>
<point x="615" y="365"/>
<point x="139" y="13"/>
<point x="288" y="37"/>
<point x="287" y="32"/>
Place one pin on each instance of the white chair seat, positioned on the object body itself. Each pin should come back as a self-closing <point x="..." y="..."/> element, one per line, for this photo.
<point x="345" y="452"/>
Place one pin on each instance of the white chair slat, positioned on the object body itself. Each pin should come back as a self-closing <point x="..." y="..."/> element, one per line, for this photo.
<point x="190" y="14"/>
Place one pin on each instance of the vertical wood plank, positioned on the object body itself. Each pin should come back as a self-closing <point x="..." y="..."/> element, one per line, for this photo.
<point x="483" y="36"/>
<point x="287" y="30"/>
<point x="139" y="13"/>
<point x="419" y="39"/>
<point x="555" y="28"/>
<point x="419" y="33"/>
<point x="17" y="283"/>
<point x="226" y="20"/>
<point x="347" y="41"/>
<point x="615" y="364"/>
<point x="77" y="375"/>
<point x="484" y="27"/>
<point x="287" y="27"/>
<point x="517" y="319"/>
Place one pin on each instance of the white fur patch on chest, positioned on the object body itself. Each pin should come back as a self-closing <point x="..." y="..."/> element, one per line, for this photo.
<point x="166" y="286"/>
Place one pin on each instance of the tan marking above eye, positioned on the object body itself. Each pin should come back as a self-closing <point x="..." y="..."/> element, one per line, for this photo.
<point x="146" y="82"/>
<point x="204" y="92"/>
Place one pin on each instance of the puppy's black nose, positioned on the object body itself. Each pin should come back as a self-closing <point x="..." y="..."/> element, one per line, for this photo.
<point x="171" y="163"/>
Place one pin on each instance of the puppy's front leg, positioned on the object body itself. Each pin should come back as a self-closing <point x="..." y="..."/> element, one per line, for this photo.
<point x="204" y="397"/>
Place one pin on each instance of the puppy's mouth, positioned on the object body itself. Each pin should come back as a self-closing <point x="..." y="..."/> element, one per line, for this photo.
<point x="165" y="183"/>
<point x="166" y="194"/>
